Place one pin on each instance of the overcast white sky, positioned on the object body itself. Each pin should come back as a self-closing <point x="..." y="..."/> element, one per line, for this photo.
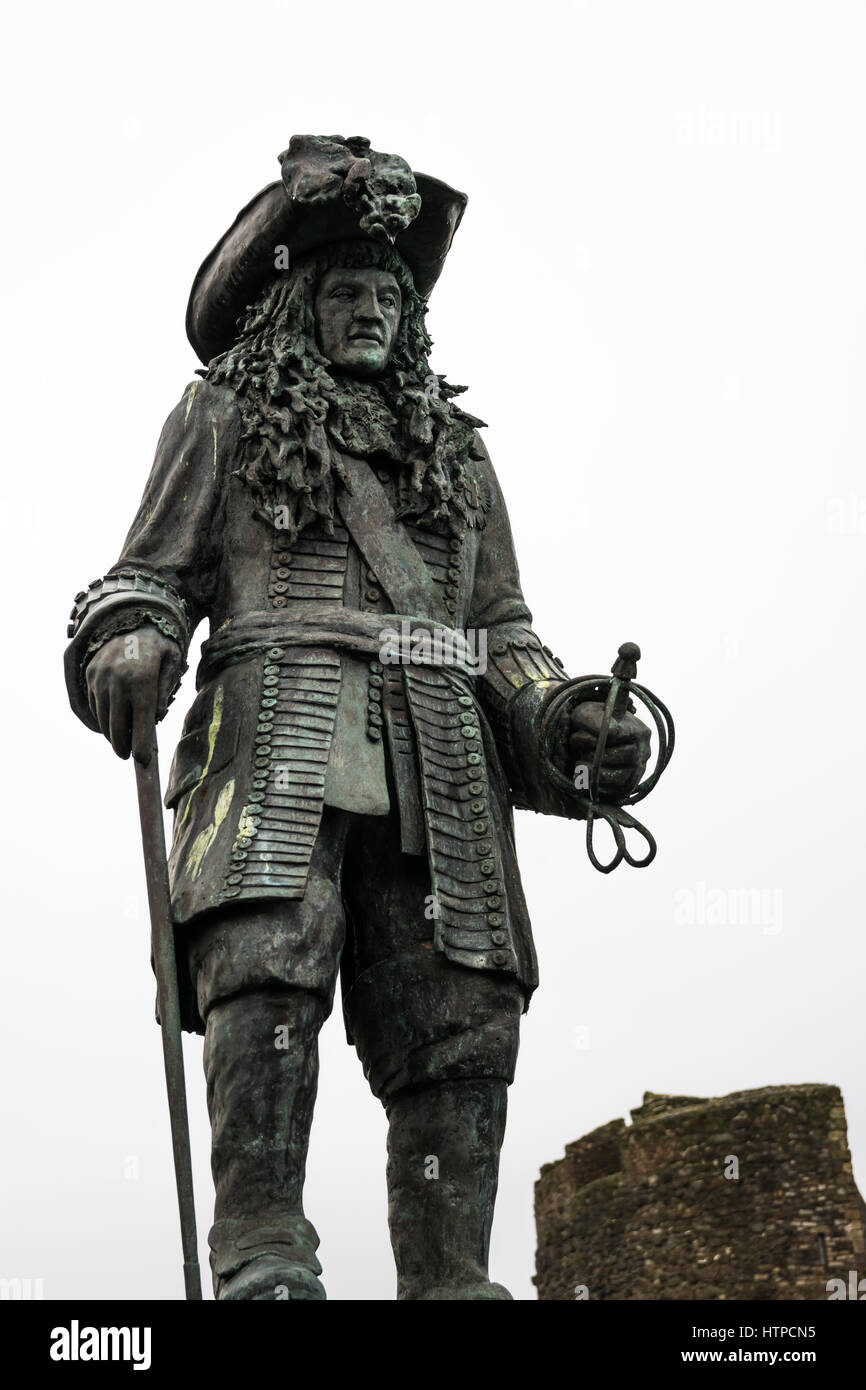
<point x="657" y="300"/>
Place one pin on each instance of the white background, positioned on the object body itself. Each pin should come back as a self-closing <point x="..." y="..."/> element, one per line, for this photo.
<point x="657" y="297"/>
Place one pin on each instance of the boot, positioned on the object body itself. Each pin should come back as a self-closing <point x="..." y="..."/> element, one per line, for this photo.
<point x="443" y="1167"/>
<point x="262" y="1064"/>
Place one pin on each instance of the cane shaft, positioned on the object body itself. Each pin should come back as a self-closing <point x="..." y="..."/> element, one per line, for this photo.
<point x="165" y="966"/>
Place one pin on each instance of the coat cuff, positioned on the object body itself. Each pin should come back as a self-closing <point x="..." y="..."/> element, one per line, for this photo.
<point x="124" y="600"/>
<point x="522" y="674"/>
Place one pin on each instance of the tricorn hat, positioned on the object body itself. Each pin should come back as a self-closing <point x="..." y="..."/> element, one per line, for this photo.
<point x="331" y="190"/>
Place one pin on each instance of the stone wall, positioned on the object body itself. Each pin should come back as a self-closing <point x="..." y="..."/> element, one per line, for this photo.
<point x="746" y="1196"/>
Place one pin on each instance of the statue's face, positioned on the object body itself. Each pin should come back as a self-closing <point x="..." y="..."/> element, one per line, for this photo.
<point x="357" y="317"/>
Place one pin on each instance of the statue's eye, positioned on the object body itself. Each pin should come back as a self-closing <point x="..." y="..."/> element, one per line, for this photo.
<point x="388" y="300"/>
<point x="342" y="292"/>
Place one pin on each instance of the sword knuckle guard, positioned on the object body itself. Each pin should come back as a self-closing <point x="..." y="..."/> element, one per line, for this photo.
<point x="620" y="692"/>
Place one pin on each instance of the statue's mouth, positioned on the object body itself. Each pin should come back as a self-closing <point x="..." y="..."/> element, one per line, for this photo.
<point x="366" y="338"/>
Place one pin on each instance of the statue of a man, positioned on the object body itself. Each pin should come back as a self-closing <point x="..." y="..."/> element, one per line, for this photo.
<point x="367" y="717"/>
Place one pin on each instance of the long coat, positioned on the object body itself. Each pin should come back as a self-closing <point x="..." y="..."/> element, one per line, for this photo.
<point x="296" y="708"/>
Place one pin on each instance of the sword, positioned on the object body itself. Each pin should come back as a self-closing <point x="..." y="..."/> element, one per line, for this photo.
<point x="621" y="685"/>
<point x="168" y="1003"/>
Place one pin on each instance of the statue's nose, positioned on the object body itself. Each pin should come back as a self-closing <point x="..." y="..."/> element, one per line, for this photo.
<point x="368" y="308"/>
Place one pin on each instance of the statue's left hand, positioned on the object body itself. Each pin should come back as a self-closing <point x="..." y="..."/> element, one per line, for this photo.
<point x="626" y="752"/>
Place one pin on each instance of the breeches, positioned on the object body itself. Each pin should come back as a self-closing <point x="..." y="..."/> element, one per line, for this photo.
<point x="367" y="914"/>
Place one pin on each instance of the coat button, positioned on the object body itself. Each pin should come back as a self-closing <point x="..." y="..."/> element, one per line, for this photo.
<point x="499" y="958"/>
<point x="274" y="653"/>
<point x="497" y="937"/>
<point x="476" y="788"/>
<point x="278" y="602"/>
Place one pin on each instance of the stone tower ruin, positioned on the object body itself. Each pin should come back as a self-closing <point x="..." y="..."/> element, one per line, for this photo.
<point x="747" y="1196"/>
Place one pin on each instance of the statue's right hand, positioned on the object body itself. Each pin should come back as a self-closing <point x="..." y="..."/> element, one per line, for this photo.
<point x="129" y="682"/>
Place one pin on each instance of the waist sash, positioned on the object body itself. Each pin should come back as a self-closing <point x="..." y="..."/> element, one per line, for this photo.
<point x="393" y="638"/>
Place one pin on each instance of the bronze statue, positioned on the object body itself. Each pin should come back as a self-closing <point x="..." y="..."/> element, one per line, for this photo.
<point x="369" y="711"/>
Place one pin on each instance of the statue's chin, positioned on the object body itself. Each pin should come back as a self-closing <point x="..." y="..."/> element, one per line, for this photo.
<point x="360" y="363"/>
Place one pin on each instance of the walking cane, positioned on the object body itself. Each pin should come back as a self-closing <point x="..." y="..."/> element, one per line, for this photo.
<point x="165" y="965"/>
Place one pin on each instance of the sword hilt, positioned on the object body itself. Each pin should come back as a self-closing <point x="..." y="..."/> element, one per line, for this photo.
<point x="624" y="669"/>
<point x="617" y="689"/>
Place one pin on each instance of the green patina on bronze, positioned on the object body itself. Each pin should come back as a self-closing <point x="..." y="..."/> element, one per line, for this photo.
<point x="342" y="808"/>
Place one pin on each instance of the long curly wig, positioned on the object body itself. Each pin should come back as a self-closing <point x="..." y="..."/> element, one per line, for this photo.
<point x="299" y="413"/>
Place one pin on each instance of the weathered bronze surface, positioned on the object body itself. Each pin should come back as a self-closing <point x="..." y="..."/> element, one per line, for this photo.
<point x="372" y="704"/>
